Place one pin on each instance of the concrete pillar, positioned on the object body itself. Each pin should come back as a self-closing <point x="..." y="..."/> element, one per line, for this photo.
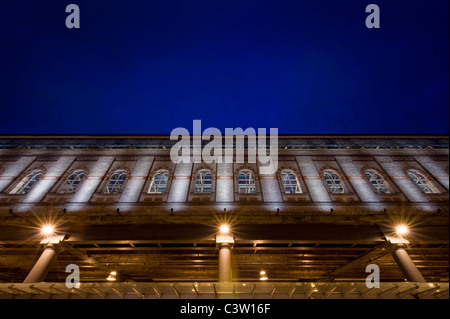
<point x="406" y="264"/>
<point x="224" y="242"/>
<point x="225" y="274"/>
<point x="40" y="269"/>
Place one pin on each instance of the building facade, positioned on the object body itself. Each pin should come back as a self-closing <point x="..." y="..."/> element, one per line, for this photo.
<point x="137" y="225"/>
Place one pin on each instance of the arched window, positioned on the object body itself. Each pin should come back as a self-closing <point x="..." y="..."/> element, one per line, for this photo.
<point x="116" y="182"/>
<point x="377" y="181"/>
<point x="203" y="182"/>
<point x="159" y="183"/>
<point x="72" y="182"/>
<point x="246" y="182"/>
<point x="423" y="182"/>
<point x="290" y="182"/>
<point x="334" y="181"/>
<point x="24" y="186"/>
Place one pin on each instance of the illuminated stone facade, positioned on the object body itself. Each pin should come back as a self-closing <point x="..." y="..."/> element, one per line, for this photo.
<point x="336" y="214"/>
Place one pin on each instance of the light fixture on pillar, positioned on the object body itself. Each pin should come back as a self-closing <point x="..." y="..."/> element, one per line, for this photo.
<point x="224" y="242"/>
<point x="112" y="276"/>
<point x="402" y="230"/>
<point x="224" y="229"/>
<point x="224" y="235"/>
<point x="50" y="239"/>
<point x="47" y="230"/>
<point x="263" y="275"/>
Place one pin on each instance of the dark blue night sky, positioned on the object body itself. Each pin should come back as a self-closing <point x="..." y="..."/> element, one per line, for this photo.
<point x="146" y="67"/>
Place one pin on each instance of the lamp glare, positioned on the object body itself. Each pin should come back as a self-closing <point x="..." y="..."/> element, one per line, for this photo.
<point x="47" y="230"/>
<point x="402" y="230"/>
<point x="224" y="229"/>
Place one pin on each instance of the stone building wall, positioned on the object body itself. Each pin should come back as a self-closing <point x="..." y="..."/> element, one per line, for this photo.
<point x="141" y="166"/>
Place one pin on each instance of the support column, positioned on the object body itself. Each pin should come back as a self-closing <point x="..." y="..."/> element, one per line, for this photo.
<point x="405" y="263"/>
<point x="225" y="263"/>
<point x="40" y="269"/>
<point x="225" y="244"/>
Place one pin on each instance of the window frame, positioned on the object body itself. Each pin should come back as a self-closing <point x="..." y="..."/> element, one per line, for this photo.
<point x="194" y="196"/>
<point x="297" y="179"/>
<point x="66" y="178"/>
<point x="123" y="184"/>
<point x="145" y="196"/>
<point x="245" y="197"/>
<point x="304" y="196"/>
<point x="152" y="180"/>
<point x="202" y="185"/>
<point x="341" y="181"/>
<point x="15" y="184"/>
<point x="431" y="184"/>
<point x="387" y="184"/>
<point x="248" y="171"/>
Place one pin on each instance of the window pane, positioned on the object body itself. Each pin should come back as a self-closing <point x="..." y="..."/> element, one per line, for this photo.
<point x="377" y="182"/>
<point x="72" y="182"/>
<point x="425" y="185"/>
<point x="26" y="183"/>
<point x="246" y="182"/>
<point x="159" y="183"/>
<point x="290" y="183"/>
<point x="334" y="182"/>
<point x="203" y="182"/>
<point x="115" y="183"/>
